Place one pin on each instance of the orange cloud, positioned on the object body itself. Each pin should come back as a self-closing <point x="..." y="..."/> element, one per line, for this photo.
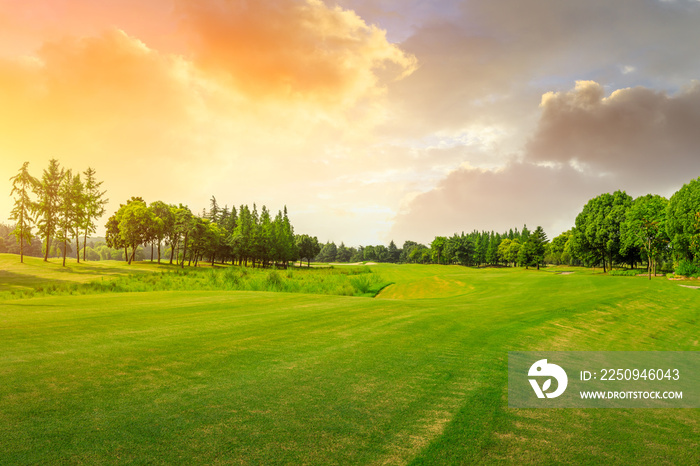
<point x="291" y="49"/>
<point x="107" y="101"/>
<point x="158" y="125"/>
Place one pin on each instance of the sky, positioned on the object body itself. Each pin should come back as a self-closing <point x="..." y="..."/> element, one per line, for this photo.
<point x="371" y="120"/>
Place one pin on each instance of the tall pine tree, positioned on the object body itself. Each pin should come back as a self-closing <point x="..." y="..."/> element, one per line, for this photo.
<point x="49" y="202"/>
<point x="22" y="184"/>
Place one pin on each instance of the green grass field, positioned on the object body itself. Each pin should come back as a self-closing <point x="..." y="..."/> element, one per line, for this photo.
<point x="417" y="375"/>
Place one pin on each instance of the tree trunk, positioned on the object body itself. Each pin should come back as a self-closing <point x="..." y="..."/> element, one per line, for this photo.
<point x="159" y="251"/>
<point x="604" y="270"/>
<point x="151" y="251"/>
<point x="21" y="249"/>
<point x="77" y="248"/>
<point x="84" y="244"/>
<point x="65" y="247"/>
<point x="184" y="252"/>
<point x="46" y="253"/>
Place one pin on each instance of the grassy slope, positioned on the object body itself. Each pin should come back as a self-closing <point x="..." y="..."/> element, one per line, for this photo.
<point x="34" y="271"/>
<point x="417" y="375"/>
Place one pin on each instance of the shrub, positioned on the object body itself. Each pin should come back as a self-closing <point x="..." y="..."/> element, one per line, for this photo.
<point x="274" y="280"/>
<point x="687" y="269"/>
<point x="627" y="272"/>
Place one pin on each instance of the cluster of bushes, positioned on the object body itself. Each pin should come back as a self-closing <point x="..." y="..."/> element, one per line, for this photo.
<point x="688" y="268"/>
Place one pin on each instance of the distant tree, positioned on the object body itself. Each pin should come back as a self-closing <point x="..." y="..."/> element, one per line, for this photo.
<point x="416" y="254"/>
<point x="555" y="253"/>
<point x="328" y="253"/>
<point x="681" y="219"/>
<point x="358" y="255"/>
<point x="492" y="250"/>
<point x="22" y="184"/>
<point x="265" y="247"/>
<point x="437" y="247"/>
<point x="526" y="254"/>
<point x="113" y="239"/>
<point x="308" y="247"/>
<point x="184" y="223"/>
<point x="695" y="237"/>
<point x="66" y="213"/>
<point x="645" y="227"/>
<point x="344" y="254"/>
<point x="537" y="242"/>
<point x="214" y="210"/>
<point x="408" y="247"/>
<point x="369" y="253"/>
<point x="135" y="224"/>
<point x="285" y="243"/>
<point x="503" y="251"/>
<point x="382" y="253"/>
<point x="165" y="228"/>
<point x="79" y="209"/>
<point x="94" y="204"/>
<point x="49" y="202"/>
<point x="598" y="226"/>
<point x="513" y="251"/>
<point x="394" y="252"/>
<point x="462" y="249"/>
<point x="213" y="237"/>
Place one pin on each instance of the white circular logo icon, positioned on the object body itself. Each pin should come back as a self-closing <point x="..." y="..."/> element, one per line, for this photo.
<point x="543" y="369"/>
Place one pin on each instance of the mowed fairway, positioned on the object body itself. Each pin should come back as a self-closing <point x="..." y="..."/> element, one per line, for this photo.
<point x="417" y="375"/>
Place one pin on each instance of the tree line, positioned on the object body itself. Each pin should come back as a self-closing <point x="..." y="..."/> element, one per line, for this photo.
<point x="474" y="249"/>
<point x="617" y="229"/>
<point x="240" y="236"/>
<point x="612" y="229"/>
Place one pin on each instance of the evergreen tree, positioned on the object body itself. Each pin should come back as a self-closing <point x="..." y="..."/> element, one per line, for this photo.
<point x="394" y="252"/>
<point x="94" y="204"/>
<point x="241" y="240"/>
<point x="538" y="243"/>
<point x="49" y="202"/>
<point x="214" y="210"/>
<point x="79" y="204"/>
<point x="287" y="245"/>
<point x="66" y="212"/>
<point x="492" y="250"/>
<point x="22" y="184"/>
<point x="328" y="253"/>
<point x="344" y="254"/>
